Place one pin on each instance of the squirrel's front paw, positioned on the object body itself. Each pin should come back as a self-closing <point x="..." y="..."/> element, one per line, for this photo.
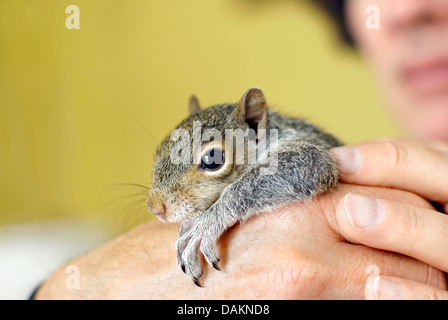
<point x="195" y="235"/>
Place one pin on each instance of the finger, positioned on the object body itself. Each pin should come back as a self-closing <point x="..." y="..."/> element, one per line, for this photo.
<point x="412" y="167"/>
<point x="392" y="288"/>
<point x="438" y="145"/>
<point x="361" y="263"/>
<point x="394" y="226"/>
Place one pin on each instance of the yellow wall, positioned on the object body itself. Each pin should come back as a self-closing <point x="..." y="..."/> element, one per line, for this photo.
<point x="81" y="110"/>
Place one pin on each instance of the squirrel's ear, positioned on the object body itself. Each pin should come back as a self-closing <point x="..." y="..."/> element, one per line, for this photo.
<point x="193" y="105"/>
<point x="252" y="109"/>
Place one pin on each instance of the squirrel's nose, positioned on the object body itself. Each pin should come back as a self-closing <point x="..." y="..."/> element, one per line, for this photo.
<point x="158" y="210"/>
<point x="155" y="204"/>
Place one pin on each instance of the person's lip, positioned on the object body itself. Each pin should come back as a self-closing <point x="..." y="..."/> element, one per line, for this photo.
<point x="427" y="77"/>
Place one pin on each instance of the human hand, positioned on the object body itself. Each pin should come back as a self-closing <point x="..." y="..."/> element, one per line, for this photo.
<point x="297" y="252"/>
<point x="397" y="226"/>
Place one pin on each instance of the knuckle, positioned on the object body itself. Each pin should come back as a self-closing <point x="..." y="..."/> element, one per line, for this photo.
<point x="435" y="278"/>
<point x="413" y="223"/>
<point x="397" y="154"/>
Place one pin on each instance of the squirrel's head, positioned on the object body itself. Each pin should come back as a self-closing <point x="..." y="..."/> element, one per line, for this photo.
<point x="194" y="165"/>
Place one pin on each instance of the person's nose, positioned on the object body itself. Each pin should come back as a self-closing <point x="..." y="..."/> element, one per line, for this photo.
<point x="406" y="14"/>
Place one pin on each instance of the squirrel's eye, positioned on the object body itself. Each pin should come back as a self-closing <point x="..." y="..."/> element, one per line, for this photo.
<point x="212" y="159"/>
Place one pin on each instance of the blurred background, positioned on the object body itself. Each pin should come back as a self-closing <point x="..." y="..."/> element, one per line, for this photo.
<point x="82" y="111"/>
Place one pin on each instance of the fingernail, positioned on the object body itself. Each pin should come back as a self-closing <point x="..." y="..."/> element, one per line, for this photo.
<point x="385" y="289"/>
<point x="347" y="158"/>
<point x="363" y="212"/>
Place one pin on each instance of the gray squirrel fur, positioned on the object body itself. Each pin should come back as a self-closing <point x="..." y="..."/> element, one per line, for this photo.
<point x="209" y="202"/>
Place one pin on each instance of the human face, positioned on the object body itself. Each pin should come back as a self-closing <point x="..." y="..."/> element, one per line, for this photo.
<point x="408" y="56"/>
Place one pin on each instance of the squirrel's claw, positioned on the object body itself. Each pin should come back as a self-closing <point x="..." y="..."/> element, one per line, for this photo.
<point x="196" y="282"/>
<point x="215" y="265"/>
<point x="194" y="238"/>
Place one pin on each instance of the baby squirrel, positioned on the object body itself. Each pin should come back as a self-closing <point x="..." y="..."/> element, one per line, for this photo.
<point x="216" y="185"/>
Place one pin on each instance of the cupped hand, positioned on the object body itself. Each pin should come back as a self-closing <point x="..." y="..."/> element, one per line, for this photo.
<point x="297" y="252"/>
<point x="393" y="224"/>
